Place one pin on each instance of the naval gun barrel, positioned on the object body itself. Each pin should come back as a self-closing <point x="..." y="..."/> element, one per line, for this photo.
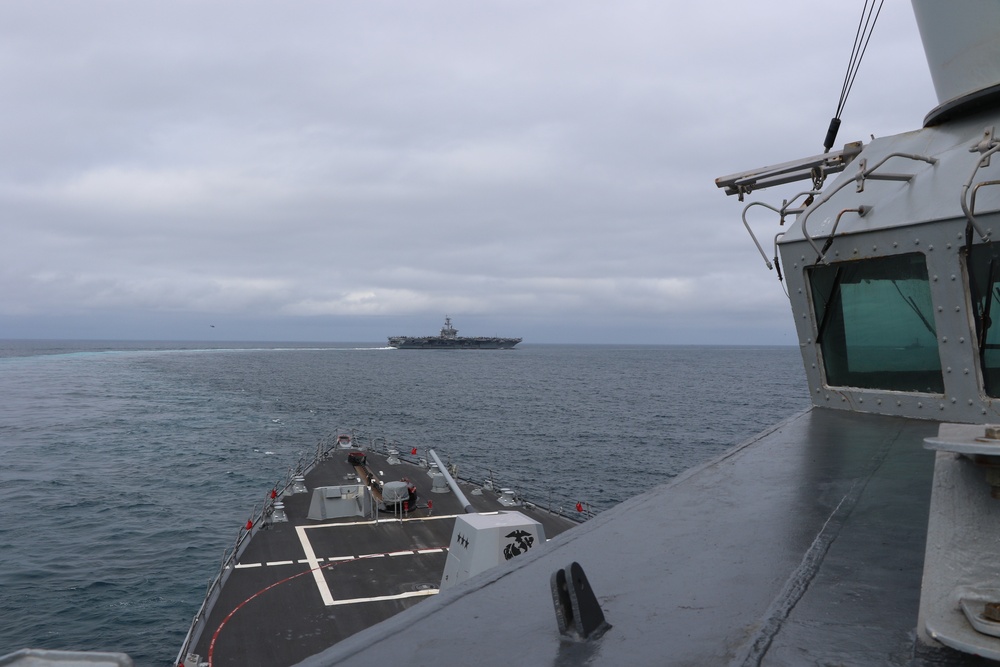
<point x="452" y="484"/>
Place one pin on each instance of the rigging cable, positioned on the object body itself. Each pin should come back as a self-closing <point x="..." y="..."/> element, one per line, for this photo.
<point x="869" y="15"/>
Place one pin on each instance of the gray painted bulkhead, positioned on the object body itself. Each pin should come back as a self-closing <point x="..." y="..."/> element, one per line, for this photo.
<point x="921" y="215"/>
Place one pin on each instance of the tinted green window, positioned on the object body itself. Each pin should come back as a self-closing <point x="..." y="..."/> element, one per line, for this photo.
<point x="984" y="281"/>
<point x="876" y="324"/>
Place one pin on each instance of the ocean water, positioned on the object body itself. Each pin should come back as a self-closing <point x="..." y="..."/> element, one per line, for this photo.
<point x="127" y="468"/>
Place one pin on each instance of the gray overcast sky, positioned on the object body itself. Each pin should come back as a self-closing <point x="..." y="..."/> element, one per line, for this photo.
<point x="342" y="171"/>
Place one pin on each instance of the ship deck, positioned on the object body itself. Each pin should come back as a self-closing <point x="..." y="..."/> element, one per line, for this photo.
<point x="302" y="586"/>
<point x="803" y="546"/>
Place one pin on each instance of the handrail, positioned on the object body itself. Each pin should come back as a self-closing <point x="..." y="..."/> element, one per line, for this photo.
<point x="521" y="492"/>
<point x="754" y="236"/>
<point x="783" y="211"/>
<point x="966" y="208"/>
<point x="863" y="173"/>
<point x="975" y="190"/>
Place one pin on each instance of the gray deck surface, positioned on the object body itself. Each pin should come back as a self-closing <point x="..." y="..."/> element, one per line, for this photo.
<point x="803" y="546"/>
<point x="278" y="616"/>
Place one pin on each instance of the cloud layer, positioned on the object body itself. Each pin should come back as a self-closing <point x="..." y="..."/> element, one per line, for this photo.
<point x="349" y="170"/>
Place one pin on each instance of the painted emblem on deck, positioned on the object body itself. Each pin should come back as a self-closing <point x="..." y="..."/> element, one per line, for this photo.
<point x="523" y="541"/>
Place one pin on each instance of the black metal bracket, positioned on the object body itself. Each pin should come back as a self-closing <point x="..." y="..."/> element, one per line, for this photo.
<point x="579" y="614"/>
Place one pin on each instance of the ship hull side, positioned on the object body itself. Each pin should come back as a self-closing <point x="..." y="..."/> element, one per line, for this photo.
<point x="431" y="343"/>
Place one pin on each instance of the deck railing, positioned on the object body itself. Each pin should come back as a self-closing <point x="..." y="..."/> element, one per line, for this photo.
<point x="575" y="509"/>
<point x="258" y="518"/>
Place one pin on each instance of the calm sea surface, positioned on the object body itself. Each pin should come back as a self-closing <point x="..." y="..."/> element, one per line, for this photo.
<point x="127" y="468"/>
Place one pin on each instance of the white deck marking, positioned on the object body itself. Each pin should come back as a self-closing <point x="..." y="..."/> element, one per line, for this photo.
<point x="313" y="562"/>
<point x="381" y="598"/>
<point x="373" y="523"/>
<point x="338" y="559"/>
<point x="272" y="563"/>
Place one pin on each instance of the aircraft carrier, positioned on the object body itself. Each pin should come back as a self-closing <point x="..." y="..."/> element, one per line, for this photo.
<point x="449" y="339"/>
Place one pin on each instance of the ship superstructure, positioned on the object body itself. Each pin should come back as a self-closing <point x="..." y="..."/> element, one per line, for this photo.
<point x="448" y="339"/>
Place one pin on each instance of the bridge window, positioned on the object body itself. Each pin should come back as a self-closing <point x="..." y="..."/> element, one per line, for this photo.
<point x="875" y="324"/>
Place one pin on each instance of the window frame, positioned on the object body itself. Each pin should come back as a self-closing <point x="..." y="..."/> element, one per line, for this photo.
<point x="871" y="341"/>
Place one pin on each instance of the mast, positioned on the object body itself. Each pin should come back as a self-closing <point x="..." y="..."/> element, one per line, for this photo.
<point x="963" y="53"/>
